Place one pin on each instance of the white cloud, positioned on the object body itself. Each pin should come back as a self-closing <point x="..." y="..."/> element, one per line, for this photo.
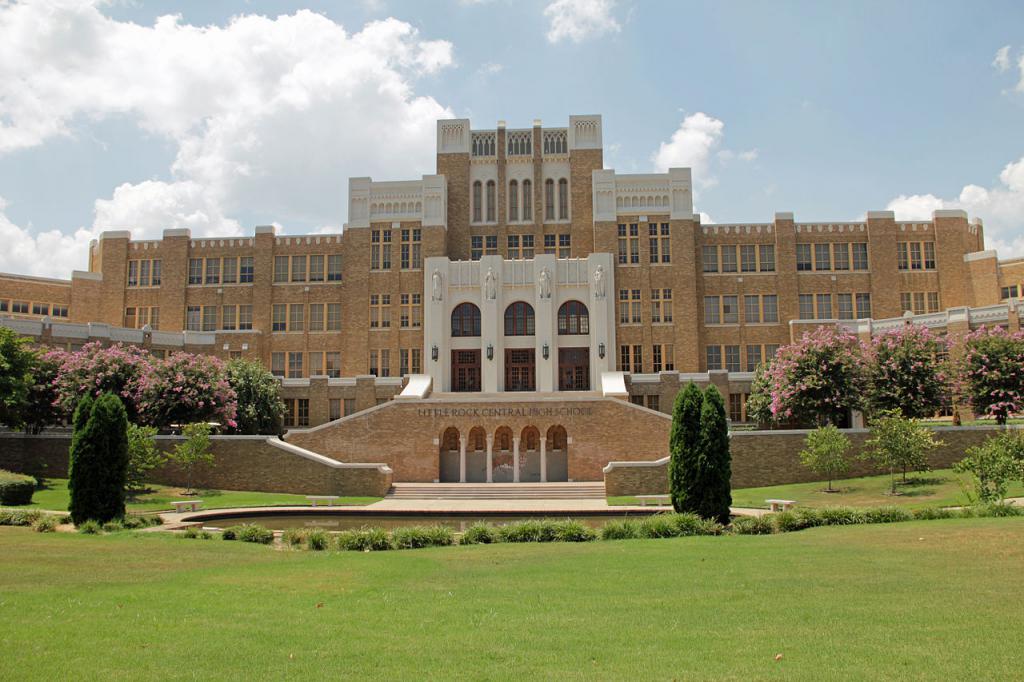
<point x="269" y="115"/>
<point x="579" y="20"/>
<point x="1001" y="208"/>
<point x="488" y="69"/>
<point x="1002" y="60"/>
<point x="691" y="146"/>
<point x="50" y="253"/>
<point x="705" y="219"/>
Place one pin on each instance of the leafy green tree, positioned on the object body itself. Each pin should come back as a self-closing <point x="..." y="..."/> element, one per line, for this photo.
<point x="16" y="360"/>
<point x="99" y="460"/>
<point x="993" y="464"/>
<point x="907" y="371"/>
<point x="193" y="452"/>
<point x="143" y="456"/>
<point x="759" y="404"/>
<point x="714" y="488"/>
<point x="683" y="445"/>
<point x="41" y="407"/>
<point x="260" y="408"/>
<point x="899" y="443"/>
<point x="825" y="453"/>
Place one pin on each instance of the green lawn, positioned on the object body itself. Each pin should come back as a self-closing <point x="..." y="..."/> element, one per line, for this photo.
<point x="939" y="488"/>
<point x="921" y="600"/>
<point x="55" y="496"/>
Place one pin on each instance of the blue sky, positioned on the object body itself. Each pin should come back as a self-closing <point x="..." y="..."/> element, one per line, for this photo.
<point x="218" y="119"/>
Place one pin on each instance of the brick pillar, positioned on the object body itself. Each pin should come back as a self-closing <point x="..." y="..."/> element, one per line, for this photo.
<point x="319" y="408"/>
<point x="366" y="392"/>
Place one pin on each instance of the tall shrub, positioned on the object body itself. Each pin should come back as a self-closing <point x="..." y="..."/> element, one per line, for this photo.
<point x="193" y="452"/>
<point x="991" y="372"/>
<point x="99" y="459"/>
<point x="907" y="371"/>
<point x="714" y="490"/>
<point x="260" y="408"/>
<point x="683" y="444"/>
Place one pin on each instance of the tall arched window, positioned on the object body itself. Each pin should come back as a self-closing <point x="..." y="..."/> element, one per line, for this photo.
<point x="491" y="201"/>
<point x="478" y="200"/>
<point x="549" y="199"/>
<point x="573" y="318"/>
<point x="513" y="200"/>
<point x="466" y="320"/>
<point x="563" y="199"/>
<point x="519" y="319"/>
<point x="527" y="200"/>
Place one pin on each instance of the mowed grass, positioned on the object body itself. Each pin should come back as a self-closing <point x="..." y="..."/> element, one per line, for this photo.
<point x="921" y="600"/>
<point x="939" y="488"/>
<point x="55" y="496"/>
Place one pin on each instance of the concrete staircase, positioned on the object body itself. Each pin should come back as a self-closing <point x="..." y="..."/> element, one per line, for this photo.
<point x="497" y="491"/>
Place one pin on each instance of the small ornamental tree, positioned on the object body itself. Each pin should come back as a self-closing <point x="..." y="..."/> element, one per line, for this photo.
<point x="193" y="452"/>
<point x="714" y="488"/>
<point x="186" y="388"/>
<point x="899" y="443"/>
<point x="16" y="361"/>
<point x="99" y="459"/>
<point x="991" y="372"/>
<point x="818" y="379"/>
<point x="759" y="403"/>
<point x="95" y="370"/>
<point x="143" y="456"/>
<point x="684" y="451"/>
<point x="42" y="409"/>
<point x="907" y="371"/>
<point x="993" y="464"/>
<point x="258" y="392"/>
<point x="825" y="453"/>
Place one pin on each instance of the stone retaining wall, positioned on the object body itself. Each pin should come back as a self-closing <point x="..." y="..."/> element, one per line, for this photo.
<point x="240" y="463"/>
<point x="762" y="458"/>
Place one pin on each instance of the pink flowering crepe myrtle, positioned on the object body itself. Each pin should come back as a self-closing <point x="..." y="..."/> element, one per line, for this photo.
<point x="991" y="372"/>
<point x="909" y="371"/>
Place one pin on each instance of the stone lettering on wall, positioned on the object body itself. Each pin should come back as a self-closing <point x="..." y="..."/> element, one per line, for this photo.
<point x="504" y="412"/>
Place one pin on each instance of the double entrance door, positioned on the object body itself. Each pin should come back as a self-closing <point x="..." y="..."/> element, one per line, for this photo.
<point x="573" y="369"/>
<point x="520" y="369"/>
<point x="466" y="370"/>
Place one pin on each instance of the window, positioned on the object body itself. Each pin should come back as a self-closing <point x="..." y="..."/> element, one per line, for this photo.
<point x="748" y="258"/>
<point x="661" y="305"/>
<point x="333" y="409"/>
<point x="815" y="306"/>
<point x="770" y="307"/>
<point x="806" y="302"/>
<point x="385" y="362"/>
<point x="380" y="250"/>
<point x="229" y="317"/>
<point x="316" y="317"/>
<point x="316" y="268"/>
<point x="712" y="310"/>
<point x="732" y="358"/>
<point x="709" y="258"/>
<point x="334" y="267"/>
<point x="563" y="199"/>
<point x="933" y="301"/>
<point x="841" y="256"/>
<point x="844" y="306"/>
<point x="296" y="412"/>
<point x="143" y="273"/>
<point x="629" y="244"/>
<point x="476" y="247"/>
<point x="1008" y="292"/>
<point x="295" y="365"/>
<point x="573" y="318"/>
<point x="527" y="200"/>
<point x="713" y="357"/>
<point x="333" y="364"/>
<point x="296" y="317"/>
<point x="411" y="257"/>
<point x="40" y="308"/>
<point x="213" y="271"/>
<point x="513" y="200"/>
<point x="280" y="269"/>
<point x="860" y="255"/>
<point x="738" y="407"/>
<point x="316" y="363"/>
<point x="752" y="309"/>
<point x="279" y="322"/>
<point x="803" y="257"/>
<point x="767" y="254"/>
<point x="491" y="201"/>
<point x="753" y="357"/>
<point x="662" y="358"/>
<point x="466" y="320"/>
<point x="410" y="361"/>
<point x="277" y="364"/>
<point x="915" y="255"/>
<point x="478" y="200"/>
<point x="193" y="318"/>
<point x="195" y="270"/>
<point x="129" y="318"/>
<point x="920" y="302"/>
<point x="519" y="319"/>
<point x="520" y="246"/>
<point x="549" y="244"/>
<point x="334" y="317"/>
<point x="350" y="406"/>
<point x="156" y="274"/>
<point x="653" y="402"/>
<point x="245" y="270"/>
<point x="411" y="313"/>
<point x="20" y="307"/>
<point x="631" y="358"/>
<point x="629" y="306"/>
<point x="728" y="257"/>
<point x="929" y="255"/>
<point x="864" y="305"/>
<point x="229" y="270"/>
<point x="209" y="318"/>
<point x="549" y="199"/>
<point x="658" y="236"/>
<point x="380" y="311"/>
<point x="133" y="273"/>
<point x="62" y="311"/>
<point x="730" y="310"/>
<point x="822" y="261"/>
<point x="245" y="317"/>
<point x="564" y="245"/>
<point x="824" y="303"/>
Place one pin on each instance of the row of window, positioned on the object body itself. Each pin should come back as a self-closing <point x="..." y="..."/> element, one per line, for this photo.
<point x="752" y="258"/>
<point x="228" y="270"/>
<point x="209" y="318"/>
<point x="631" y="358"/>
<point x="410" y="252"/>
<point x="32" y="308"/>
<point x="520" y="201"/>
<point x="919" y="302"/>
<point x="139" y="317"/>
<point x="847" y="306"/>
<point x="631" y="306"/>
<point x="318" y="363"/>
<point x="727" y="357"/>
<point x="659" y="248"/>
<point x="1009" y="292"/>
<point x="409" y="361"/>
<point x="573" y="318"/>
<point x="915" y="255"/>
<point x="757" y="309"/>
<point x="296" y="410"/>
<point x="520" y="246"/>
<point x="410" y="315"/>
<point x="291" y="317"/>
<point x="144" y="272"/>
<point x="737" y="404"/>
<point x="307" y="268"/>
<point x="838" y="256"/>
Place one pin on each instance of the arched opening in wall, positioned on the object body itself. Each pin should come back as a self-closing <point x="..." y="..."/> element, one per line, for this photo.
<point x="557" y="454"/>
<point x="549" y="199"/>
<point x="492" y="201"/>
<point x="563" y="199"/>
<point x="513" y="200"/>
<point x="529" y="455"/>
<point x="466" y="320"/>
<point x="502" y="458"/>
<point x="476" y="455"/>
<point x="519" y="319"/>
<point x="527" y="200"/>
<point x="573" y="318"/>
<point x="478" y="201"/>
<point x="448" y="456"/>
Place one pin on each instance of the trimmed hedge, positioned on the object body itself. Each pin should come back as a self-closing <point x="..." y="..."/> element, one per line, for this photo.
<point x="16" y="489"/>
<point x="19" y="517"/>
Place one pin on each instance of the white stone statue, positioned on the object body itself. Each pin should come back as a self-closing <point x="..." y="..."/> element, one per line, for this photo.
<point x="435" y="280"/>
<point x="545" y="283"/>
<point x="490" y="284"/>
<point x="599" y="281"/>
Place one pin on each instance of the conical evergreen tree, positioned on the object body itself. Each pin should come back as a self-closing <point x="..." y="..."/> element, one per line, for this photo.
<point x="683" y="446"/>
<point x="99" y="460"/>
<point x="715" y="463"/>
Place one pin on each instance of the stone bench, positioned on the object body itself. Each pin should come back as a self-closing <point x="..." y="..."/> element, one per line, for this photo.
<point x="328" y="499"/>
<point x="187" y="505"/>
<point x="781" y="505"/>
<point x="656" y="499"/>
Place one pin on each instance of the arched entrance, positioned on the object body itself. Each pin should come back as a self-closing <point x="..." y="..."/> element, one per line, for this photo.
<point x="529" y="455"/>
<point x="557" y="453"/>
<point x="448" y="464"/>
<point x="476" y="456"/>
<point x="502" y="457"/>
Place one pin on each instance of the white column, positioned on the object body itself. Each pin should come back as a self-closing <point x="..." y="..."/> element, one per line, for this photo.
<point x="462" y="459"/>
<point x="515" y="459"/>
<point x="490" y="457"/>
<point x="543" y="459"/>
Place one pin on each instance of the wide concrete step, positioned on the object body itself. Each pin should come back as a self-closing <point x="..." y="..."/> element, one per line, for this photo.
<point x="497" y="491"/>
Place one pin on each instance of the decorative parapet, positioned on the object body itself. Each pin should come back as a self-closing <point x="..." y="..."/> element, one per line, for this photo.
<point x="424" y="200"/>
<point x="974" y="317"/>
<point x="615" y="194"/>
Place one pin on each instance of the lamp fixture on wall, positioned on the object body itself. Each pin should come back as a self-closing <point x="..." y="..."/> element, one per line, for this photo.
<point x="433" y="352"/>
<point x="600" y="350"/>
<point x="544" y="351"/>
<point x="490" y="352"/>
